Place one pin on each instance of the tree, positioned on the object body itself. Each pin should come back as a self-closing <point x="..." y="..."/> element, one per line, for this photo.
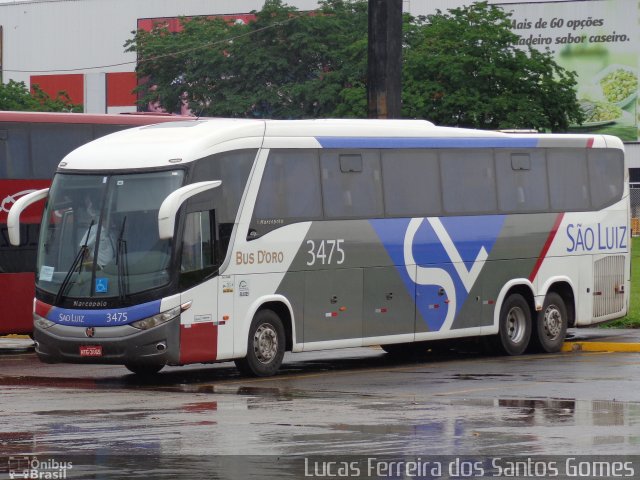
<point x="459" y="68"/>
<point x="285" y="64"/>
<point x="462" y="68"/>
<point x="16" y="96"/>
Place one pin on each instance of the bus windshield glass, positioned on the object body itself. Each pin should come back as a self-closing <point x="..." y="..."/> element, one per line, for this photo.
<point x="100" y="235"/>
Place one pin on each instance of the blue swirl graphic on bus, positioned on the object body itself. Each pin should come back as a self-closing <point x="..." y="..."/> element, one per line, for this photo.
<point x="439" y="259"/>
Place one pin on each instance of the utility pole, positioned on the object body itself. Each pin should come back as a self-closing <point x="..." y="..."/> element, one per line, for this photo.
<point x="384" y="69"/>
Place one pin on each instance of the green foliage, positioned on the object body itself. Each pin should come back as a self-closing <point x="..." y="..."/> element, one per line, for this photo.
<point x="17" y="97"/>
<point x="286" y="64"/>
<point x="632" y="320"/>
<point x="459" y="68"/>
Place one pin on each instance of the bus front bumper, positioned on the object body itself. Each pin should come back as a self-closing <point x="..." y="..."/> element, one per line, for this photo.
<point x="109" y="345"/>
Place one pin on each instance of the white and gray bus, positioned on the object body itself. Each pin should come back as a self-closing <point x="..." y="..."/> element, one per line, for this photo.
<point x="211" y="240"/>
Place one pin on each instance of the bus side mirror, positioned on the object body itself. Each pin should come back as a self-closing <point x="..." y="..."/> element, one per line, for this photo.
<point x="13" y="219"/>
<point x="173" y="202"/>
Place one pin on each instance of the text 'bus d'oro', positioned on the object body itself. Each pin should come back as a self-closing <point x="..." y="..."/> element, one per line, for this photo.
<point x="211" y="240"/>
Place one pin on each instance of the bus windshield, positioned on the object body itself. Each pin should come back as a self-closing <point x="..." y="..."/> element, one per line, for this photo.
<point x="100" y="234"/>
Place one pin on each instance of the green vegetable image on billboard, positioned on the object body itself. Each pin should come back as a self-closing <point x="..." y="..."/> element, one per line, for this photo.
<point x="600" y="42"/>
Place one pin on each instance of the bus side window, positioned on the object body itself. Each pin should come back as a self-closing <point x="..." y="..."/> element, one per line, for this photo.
<point x="568" y="179"/>
<point x="14" y="153"/>
<point x="289" y="191"/>
<point x="351" y="184"/>
<point x="411" y="180"/>
<point x="468" y="181"/>
<point x="606" y="174"/>
<point x="522" y="181"/>
<point x="50" y="143"/>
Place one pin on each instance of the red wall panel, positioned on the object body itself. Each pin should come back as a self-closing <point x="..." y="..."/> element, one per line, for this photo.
<point x="73" y="84"/>
<point x="16" y="296"/>
<point x="120" y="87"/>
<point x="174" y="24"/>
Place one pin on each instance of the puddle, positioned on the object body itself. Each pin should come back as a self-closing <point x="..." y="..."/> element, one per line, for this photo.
<point x="480" y="376"/>
<point x="552" y="410"/>
<point x="200" y="407"/>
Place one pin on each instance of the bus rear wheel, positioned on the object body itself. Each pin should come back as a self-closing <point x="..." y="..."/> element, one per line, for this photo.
<point x="551" y="325"/>
<point x="515" y="325"/>
<point x="265" y="347"/>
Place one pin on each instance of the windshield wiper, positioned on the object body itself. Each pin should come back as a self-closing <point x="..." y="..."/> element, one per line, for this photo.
<point x="121" y="262"/>
<point x="78" y="259"/>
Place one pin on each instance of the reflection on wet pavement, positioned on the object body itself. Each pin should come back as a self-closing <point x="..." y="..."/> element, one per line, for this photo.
<point x="368" y="405"/>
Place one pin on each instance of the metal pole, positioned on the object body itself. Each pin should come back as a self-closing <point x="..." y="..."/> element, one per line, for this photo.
<point x="384" y="70"/>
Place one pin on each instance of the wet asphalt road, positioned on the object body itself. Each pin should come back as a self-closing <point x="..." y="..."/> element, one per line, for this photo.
<point x="352" y="401"/>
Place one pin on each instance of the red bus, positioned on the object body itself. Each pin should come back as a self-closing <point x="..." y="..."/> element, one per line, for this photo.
<point x="31" y="146"/>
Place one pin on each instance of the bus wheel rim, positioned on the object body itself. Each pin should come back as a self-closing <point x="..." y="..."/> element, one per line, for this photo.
<point x="552" y="322"/>
<point x="265" y="343"/>
<point x="516" y="324"/>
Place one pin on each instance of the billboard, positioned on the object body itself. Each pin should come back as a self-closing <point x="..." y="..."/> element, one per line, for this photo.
<point x="598" y="40"/>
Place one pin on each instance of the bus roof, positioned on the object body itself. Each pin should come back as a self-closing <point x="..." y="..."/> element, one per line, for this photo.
<point x="133" y="119"/>
<point x="187" y="140"/>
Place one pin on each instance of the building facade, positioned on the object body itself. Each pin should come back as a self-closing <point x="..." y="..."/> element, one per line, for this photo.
<point x="78" y="46"/>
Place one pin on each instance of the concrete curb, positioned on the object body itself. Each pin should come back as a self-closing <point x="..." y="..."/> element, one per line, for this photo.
<point x="600" y="347"/>
<point x="16" y="344"/>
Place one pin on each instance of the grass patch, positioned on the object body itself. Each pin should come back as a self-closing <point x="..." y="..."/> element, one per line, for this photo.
<point x="632" y="320"/>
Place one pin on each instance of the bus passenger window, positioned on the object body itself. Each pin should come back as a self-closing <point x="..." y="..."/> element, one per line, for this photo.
<point x="468" y="181"/>
<point x="522" y="181"/>
<point x="290" y="190"/>
<point x="14" y="154"/>
<point x="50" y="143"/>
<point x="606" y="174"/>
<point x="351" y="184"/>
<point x="411" y="180"/>
<point x="568" y="179"/>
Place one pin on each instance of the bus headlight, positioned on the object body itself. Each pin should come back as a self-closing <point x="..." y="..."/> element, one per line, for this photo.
<point x="158" y="319"/>
<point x="42" y="322"/>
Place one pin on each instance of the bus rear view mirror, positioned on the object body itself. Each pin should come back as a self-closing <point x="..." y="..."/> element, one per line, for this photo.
<point x="13" y="219"/>
<point x="173" y="202"/>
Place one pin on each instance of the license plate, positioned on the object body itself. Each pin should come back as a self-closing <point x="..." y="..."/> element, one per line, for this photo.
<point x="91" y="351"/>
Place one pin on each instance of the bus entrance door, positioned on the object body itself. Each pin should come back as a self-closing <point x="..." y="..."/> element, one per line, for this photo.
<point x="198" y="324"/>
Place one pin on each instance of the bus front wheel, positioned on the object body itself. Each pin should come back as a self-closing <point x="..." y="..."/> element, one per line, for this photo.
<point x="551" y="325"/>
<point x="515" y="325"/>
<point x="265" y="347"/>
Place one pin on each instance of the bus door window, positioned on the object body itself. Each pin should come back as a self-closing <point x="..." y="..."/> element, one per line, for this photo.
<point x="199" y="258"/>
<point x="197" y="243"/>
<point x="232" y="168"/>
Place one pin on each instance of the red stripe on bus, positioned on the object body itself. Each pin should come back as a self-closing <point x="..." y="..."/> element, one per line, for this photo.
<point x="590" y="142"/>
<point x="547" y="245"/>
<point x="42" y="308"/>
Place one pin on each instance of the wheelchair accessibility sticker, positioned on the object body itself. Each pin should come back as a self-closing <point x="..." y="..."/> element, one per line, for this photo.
<point x="102" y="285"/>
